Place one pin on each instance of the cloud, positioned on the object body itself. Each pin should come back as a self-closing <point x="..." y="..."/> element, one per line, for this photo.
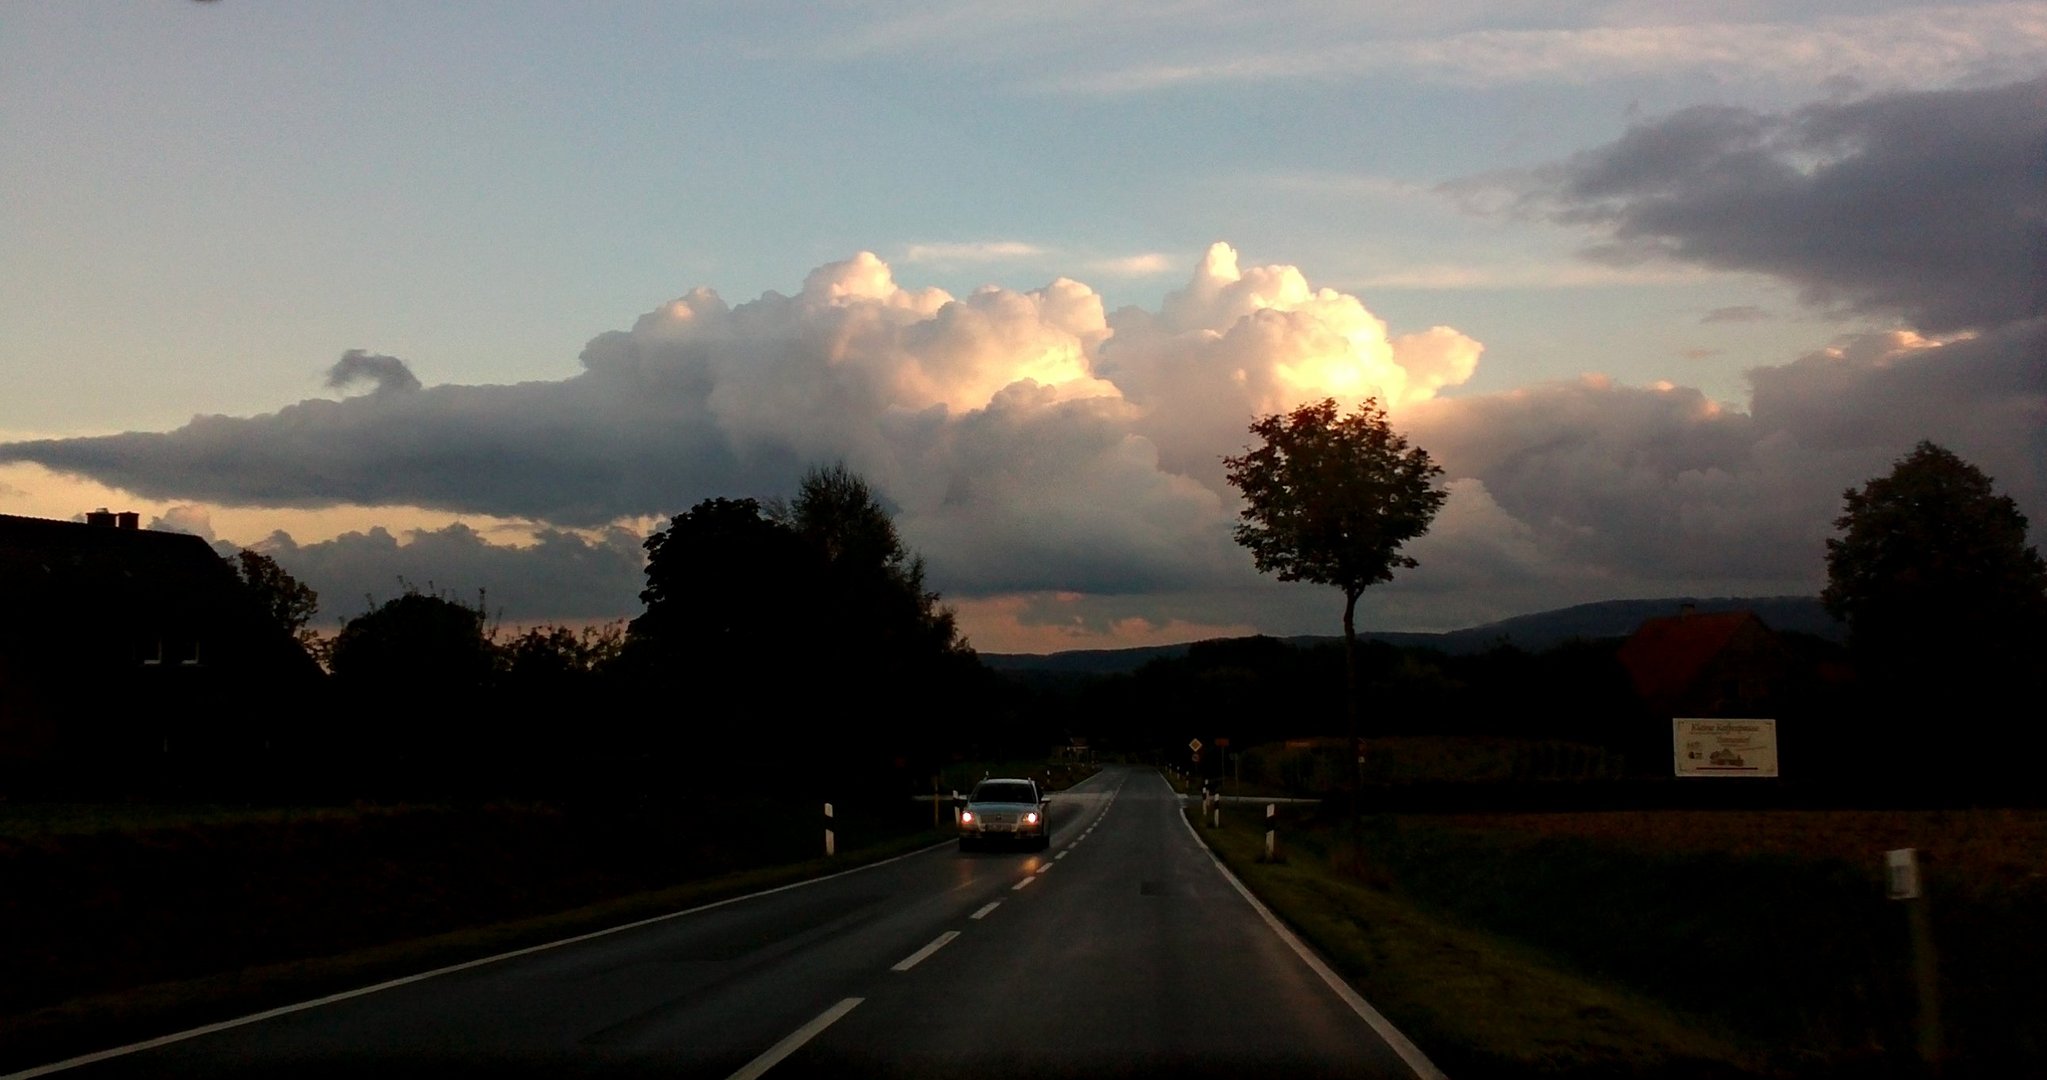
<point x="1148" y="264"/>
<point x="1916" y="46"/>
<point x="193" y="520"/>
<point x="560" y="576"/>
<point x="1739" y="313"/>
<point x="1037" y="446"/>
<point x="1030" y="439"/>
<point x="386" y="374"/>
<point x="1927" y="206"/>
<point x="970" y="252"/>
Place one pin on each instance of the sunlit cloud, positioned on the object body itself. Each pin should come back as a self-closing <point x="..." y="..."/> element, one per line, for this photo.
<point x="1047" y="623"/>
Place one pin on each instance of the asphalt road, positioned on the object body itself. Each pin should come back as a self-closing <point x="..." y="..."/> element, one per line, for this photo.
<point x="1121" y="951"/>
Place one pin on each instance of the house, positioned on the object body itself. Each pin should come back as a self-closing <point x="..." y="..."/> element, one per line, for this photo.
<point x="1718" y="664"/>
<point x="121" y="647"/>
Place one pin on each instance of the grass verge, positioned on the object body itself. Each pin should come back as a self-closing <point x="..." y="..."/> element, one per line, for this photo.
<point x="1674" y="942"/>
<point x="1477" y="1004"/>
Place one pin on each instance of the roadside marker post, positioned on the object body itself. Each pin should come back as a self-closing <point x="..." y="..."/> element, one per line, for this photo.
<point x="1271" y="833"/>
<point x="1902" y="875"/>
<point x="831" y="840"/>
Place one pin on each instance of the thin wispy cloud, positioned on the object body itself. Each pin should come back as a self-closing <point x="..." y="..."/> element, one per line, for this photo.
<point x="1568" y="274"/>
<point x="971" y="251"/>
<point x="1737" y="313"/>
<point x="1148" y="264"/>
<point x="1925" y="46"/>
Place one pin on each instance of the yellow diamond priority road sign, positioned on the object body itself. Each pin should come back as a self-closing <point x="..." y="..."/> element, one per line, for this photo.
<point x="1194" y="745"/>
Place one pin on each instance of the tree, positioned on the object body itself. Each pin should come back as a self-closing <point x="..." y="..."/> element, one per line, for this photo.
<point x="1330" y="499"/>
<point x="288" y="602"/>
<point x="722" y="580"/>
<point x="815" y="608"/>
<point x="418" y="644"/>
<point x="1933" y="575"/>
<point x="873" y="585"/>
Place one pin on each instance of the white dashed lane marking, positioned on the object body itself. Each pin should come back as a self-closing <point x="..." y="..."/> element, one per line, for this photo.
<point x="918" y="957"/>
<point x="795" y="1040"/>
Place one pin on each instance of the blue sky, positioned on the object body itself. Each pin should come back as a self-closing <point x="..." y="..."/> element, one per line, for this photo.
<point x="1701" y="267"/>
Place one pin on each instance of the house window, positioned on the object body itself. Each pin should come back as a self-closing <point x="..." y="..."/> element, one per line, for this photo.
<point x="179" y="650"/>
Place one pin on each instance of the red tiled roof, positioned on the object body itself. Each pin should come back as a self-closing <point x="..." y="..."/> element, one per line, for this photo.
<point x="1665" y="655"/>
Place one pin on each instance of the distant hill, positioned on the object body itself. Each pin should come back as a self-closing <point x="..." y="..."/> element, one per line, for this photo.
<point x="1534" y="633"/>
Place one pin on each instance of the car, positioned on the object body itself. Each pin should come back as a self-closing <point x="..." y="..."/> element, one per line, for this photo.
<point x="1005" y="811"/>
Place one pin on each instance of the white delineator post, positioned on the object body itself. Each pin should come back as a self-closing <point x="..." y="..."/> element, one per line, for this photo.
<point x="1902" y="875"/>
<point x="1271" y="822"/>
<point x="831" y="841"/>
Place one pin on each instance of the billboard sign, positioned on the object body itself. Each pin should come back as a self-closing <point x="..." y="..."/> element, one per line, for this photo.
<point x="1724" y="747"/>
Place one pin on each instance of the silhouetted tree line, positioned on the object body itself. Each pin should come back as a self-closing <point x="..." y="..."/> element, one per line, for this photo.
<point x="783" y="647"/>
<point x="1262" y="690"/>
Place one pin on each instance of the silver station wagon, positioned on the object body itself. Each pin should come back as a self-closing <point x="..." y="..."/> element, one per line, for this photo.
<point x="1005" y="811"/>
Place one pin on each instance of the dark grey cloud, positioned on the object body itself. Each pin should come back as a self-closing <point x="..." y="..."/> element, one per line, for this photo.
<point x="559" y="576"/>
<point x="387" y="374"/>
<point x="1656" y="483"/>
<point x="1930" y="206"/>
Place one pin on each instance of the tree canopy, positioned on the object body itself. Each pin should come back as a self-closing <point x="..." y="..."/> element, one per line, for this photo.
<point x="1331" y="499"/>
<point x="284" y="598"/>
<point x="417" y="643"/>
<point x="811" y="615"/>
<point x="1931" y="564"/>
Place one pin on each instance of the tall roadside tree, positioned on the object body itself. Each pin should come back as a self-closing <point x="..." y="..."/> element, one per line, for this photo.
<point x="1331" y="499"/>
<point x="1946" y="603"/>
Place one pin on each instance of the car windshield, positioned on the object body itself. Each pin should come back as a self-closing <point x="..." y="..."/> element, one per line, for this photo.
<point x="1007" y="792"/>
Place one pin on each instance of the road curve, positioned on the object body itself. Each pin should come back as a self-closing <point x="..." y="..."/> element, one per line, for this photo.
<point x="1123" y="950"/>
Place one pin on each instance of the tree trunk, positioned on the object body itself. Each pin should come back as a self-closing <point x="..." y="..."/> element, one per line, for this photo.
<point x="1350" y="704"/>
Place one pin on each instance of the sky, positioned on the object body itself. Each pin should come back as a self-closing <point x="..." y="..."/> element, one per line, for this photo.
<point x="470" y="297"/>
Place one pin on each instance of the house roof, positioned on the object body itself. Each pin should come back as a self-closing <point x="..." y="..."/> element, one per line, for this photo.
<point x="1666" y="655"/>
<point x="44" y="563"/>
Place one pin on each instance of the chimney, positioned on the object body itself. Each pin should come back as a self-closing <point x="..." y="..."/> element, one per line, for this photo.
<point x="128" y="519"/>
<point x="101" y="518"/>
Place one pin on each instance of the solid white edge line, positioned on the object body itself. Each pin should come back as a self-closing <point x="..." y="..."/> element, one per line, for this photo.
<point x="985" y="909"/>
<point x="1023" y="883"/>
<point x="918" y="957"/>
<point x="286" y="1010"/>
<point x="1401" y="1044"/>
<point x="794" y="1040"/>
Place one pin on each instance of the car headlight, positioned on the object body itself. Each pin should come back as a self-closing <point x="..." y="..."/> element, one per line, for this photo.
<point x="1031" y="818"/>
<point x="966" y="817"/>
